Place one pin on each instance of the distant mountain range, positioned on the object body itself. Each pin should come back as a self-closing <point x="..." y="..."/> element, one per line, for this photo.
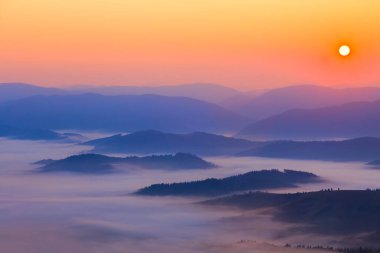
<point x="95" y="163"/>
<point x="209" y="92"/>
<point x="297" y="112"/>
<point x="119" y="113"/>
<point x="280" y="100"/>
<point x="255" y="180"/>
<point x="12" y="91"/>
<point x="345" y="213"/>
<point x="157" y="142"/>
<point x="255" y="104"/>
<point x="344" y="121"/>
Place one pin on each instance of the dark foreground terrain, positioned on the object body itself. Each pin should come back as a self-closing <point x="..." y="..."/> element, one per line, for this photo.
<point x="346" y="213"/>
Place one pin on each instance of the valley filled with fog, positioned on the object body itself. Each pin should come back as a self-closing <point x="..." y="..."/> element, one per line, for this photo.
<point x="66" y="212"/>
<point x="188" y="168"/>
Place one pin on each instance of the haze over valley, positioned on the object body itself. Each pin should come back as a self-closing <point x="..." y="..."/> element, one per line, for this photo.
<point x="189" y="126"/>
<point x="86" y="170"/>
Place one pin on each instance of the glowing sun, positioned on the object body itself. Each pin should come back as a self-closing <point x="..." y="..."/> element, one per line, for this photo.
<point x="344" y="50"/>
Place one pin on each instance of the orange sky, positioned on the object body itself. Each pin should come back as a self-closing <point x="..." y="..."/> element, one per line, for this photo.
<point x="245" y="44"/>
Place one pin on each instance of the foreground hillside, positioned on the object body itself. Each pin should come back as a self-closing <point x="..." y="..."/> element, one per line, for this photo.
<point x="325" y="212"/>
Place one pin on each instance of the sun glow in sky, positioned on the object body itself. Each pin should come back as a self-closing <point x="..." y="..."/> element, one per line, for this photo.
<point x="245" y="44"/>
<point x="344" y="50"/>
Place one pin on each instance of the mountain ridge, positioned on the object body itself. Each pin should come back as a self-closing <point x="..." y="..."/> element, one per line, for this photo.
<point x="119" y="113"/>
<point x="97" y="163"/>
<point x="354" y="119"/>
<point x="280" y="100"/>
<point x="254" y="180"/>
<point x="153" y="141"/>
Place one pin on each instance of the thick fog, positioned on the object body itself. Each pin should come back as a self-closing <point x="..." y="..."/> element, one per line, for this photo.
<point x="61" y="212"/>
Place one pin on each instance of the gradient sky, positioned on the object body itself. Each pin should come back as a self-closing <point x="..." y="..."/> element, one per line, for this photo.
<point x="245" y="44"/>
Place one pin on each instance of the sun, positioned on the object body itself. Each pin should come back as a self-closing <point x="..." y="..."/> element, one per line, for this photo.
<point x="344" y="50"/>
